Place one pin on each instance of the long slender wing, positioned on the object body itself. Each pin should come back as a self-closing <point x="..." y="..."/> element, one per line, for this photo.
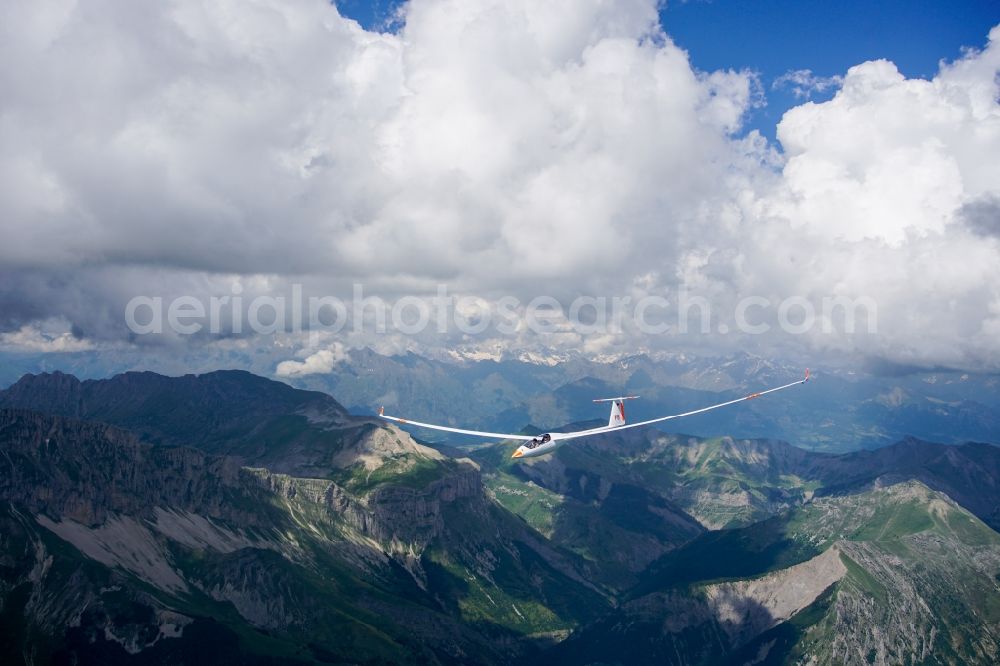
<point x="460" y="431"/>
<point x="597" y="431"/>
<point x="592" y="431"/>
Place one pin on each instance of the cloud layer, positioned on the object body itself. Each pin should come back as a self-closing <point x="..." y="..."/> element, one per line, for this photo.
<point x="501" y="148"/>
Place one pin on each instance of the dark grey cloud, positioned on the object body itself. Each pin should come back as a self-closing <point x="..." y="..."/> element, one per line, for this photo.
<point x="982" y="216"/>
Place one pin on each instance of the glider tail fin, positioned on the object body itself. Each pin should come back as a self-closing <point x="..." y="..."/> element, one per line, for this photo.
<point x="617" y="417"/>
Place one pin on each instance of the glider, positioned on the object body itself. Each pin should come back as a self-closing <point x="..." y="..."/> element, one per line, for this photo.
<point x="538" y="445"/>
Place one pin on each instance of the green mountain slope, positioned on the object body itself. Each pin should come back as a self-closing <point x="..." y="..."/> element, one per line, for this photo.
<point x="899" y="574"/>
<point x="624" y="499"/>
<point x="590" y="505"/>
<point x="118" y="552"/>
<point x="728" y="482"/>
<point x="234" y="519"/>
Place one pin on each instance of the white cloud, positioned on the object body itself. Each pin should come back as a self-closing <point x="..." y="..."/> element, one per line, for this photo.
<point x="48" y="336"/>
<point x="890" y="157"/>
<point x="498" y="146"/>
<point x="280" y="137"/>
<point x="803" y="83"/>
<point x="320" y="362"/>
<point x="876" y="198"/>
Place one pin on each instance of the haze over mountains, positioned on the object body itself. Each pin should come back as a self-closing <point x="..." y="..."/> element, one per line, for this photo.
<point x="227" y="517"/>
<point x="845" y="409"/>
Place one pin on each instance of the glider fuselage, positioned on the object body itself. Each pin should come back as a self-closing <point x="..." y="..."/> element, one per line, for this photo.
<point x="540" y="449"/>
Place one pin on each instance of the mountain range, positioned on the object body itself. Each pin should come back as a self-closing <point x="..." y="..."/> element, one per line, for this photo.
<point x="845" y="409"/>
<point x="228" y="518"/>
<point x="842" y="410"/>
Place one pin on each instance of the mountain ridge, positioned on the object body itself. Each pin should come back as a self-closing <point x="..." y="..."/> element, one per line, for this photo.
<point x="173" y="528"/>
<point x="894" y="559"/>
<point x="844" y="409"/>
<point x="181" y="531"/>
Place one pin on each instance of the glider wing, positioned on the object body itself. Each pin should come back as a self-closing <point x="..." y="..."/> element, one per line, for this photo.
<point x="597" y="431"/>
<point x="460" y="431"/>
<point x="592" y="431"/>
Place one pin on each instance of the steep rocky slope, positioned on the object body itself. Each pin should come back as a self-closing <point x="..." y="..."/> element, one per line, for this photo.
<point x="895" y="575"/>
<point x="116" y="551"/>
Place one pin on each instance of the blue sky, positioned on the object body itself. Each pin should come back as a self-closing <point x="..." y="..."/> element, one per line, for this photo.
<point x="775" y="36"/>
<point x="772" y="37"/>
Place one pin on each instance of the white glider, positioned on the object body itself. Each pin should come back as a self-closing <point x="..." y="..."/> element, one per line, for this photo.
<point x="538" y="445"/>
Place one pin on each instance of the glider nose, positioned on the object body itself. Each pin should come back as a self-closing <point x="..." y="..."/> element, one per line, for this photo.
<point x="518" y="453"/>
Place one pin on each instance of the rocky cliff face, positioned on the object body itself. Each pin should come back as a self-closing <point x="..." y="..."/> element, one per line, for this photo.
<point x="395" y="516"/>
<point x="129" y="545"/>
<point x="87" y="472"/>
<point x="91" y="473"/>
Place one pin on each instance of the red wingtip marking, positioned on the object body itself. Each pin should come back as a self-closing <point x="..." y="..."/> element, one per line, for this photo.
<point x="381" y="411"/>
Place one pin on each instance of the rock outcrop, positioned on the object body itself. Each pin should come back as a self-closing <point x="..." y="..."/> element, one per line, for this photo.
<point x="129" y="544"/>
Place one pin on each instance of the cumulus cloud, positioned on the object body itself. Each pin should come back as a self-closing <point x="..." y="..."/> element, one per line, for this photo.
<point x="45" y="336"/>
<point x="876" y="185"/>
<point x="320" y="362"/>
<point x="890" y="157"/>
<point x="487" y="144"/>
<point x="499" y="147"/>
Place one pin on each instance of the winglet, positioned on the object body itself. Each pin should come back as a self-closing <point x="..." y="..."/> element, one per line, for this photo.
<point x="381" y="409"/>
<point x="807" y="375"/>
